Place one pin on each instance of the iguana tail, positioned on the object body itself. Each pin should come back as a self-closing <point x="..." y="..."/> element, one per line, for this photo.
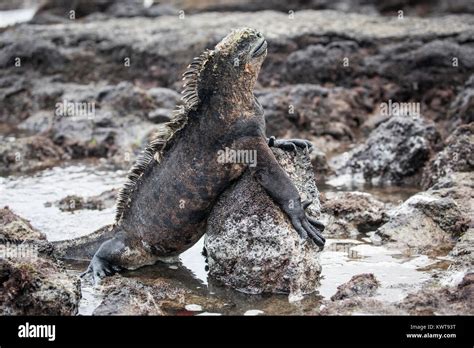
<point x="83" y="248"/>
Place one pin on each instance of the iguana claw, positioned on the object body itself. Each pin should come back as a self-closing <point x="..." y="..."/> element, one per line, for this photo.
<point x="290" y="144"/>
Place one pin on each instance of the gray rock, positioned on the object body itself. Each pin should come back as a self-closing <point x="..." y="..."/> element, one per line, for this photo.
<point x="250" y="243"/>
<point x="463" y="252"/>
<point x="302" y="67"/>
<point x="431" y="222"/>
<point x="13" y="227"/>
<point x="431" y="300"/>
<point x="161" y="57"/>
<point x="446" y="300"/>
<point x="457" y="156"/>
<point x="124" y="296"/>
<point x="359" y="306"/>
<point x="300" y="108"/>
<point x="18" y="155"/>
<point x="120" y="116"/>
<point x="151" y="294"/>
<point x="70" y="203"/>
<point x="360" y="285"/>
<point x="461" y="110"/>
<point x="395" y="152"/>
<point x="347" y="214"/>
<point x="32" y="282"/>
<point x="127" y="8"/>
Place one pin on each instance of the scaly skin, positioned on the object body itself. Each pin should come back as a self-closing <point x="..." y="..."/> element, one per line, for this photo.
<point x="169" y="208"/>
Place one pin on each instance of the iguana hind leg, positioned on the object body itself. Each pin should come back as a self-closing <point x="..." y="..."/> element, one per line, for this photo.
<point x="119" y="253"/>
<point x="105" y="261"/>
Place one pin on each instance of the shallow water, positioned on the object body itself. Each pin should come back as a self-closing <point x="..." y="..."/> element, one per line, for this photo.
<point x="341" y="259"/>
<point x="16" y="16"/>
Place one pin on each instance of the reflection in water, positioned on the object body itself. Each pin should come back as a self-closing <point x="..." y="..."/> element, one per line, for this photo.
<point x="385" y="193"/>
<point x="341" y="259"/>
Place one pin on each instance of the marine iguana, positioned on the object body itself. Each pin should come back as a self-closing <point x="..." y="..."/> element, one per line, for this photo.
<point x="162" y="210"/>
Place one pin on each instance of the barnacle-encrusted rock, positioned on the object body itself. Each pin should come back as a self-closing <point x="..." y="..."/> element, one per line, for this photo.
<point x="250" y="243"/>
<point x="32" y="282"/>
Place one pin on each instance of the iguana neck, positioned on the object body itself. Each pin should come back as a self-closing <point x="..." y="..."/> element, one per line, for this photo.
<point x="231" y="103"/>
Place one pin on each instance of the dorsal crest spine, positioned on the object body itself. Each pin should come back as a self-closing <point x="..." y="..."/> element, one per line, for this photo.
<point x="153" y="152"/>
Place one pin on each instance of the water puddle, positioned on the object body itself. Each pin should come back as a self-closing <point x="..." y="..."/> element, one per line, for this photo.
<point x="341" y="259"/>
<point x="27" y="195"/>
<point x="12" y="17"/>
<point x="384" y="193"/>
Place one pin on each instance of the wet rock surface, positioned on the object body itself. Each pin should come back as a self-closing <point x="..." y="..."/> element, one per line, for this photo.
<point x="32" y="282"/>
<point x="157" y="296"/>
<point x="463" y="252"/>
<point x="250" y="243"/>
<point x="431" y="300"/>
<point x="359" y="285"/>
<point x="123" y="296"/>
<point x="359" y="306"/>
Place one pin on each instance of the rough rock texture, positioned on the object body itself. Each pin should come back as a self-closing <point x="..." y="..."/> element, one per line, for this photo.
<point x="74" y="202"/>
<point x="461" y="110"/>
<point x="31" y="281"/>
<point x="347" y="214"/>
<point x="166" y="54"/>
<point x="455" y="300"/>
<point x="250" y="243"/>
<point x="37" y="286"/>
<point x="127" y="8"/>
<point x="56" y="63"/>
<point x="57" y="11"/>
<point x="29" y="154"/>
<point x="116" y="121"/>
<point x="394" y="152"/>
<point x="359" y="306"/>
<point x="431" y="300"/>
<point x="457" y="156"/>
<point x="124" y="296"/>
<point x="152" y="296"/>
<point x="15" y="228"/>
<point x="312" y="111"/>
<point x="360" y="285"/>
<point x="463" y="253"/>
<point x="431" y="222"/>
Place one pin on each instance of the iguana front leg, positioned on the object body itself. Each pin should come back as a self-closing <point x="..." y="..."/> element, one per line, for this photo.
<point x="290" y="144"/>
<point x="279" y="186"/>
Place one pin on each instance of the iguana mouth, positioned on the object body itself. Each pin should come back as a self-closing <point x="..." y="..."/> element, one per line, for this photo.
<point x="260" y="48"/>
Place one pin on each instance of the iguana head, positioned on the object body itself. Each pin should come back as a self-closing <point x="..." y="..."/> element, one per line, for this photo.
<point x="235" y="62"/>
